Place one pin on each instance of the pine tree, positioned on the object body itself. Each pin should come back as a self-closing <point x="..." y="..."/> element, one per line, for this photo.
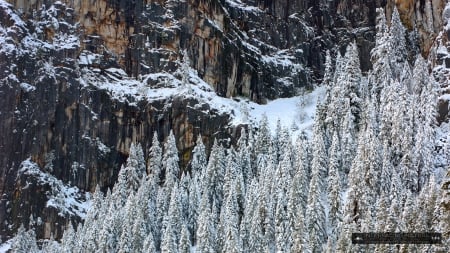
<point x="206" y="228"/>
<point x="171" y="224"/>
<point x="185" y="242"/>
<point x="199" y="161"/>
<point x="170" y="162"/>
<point x="213" y="179"/>
<point x="229" y="221"/>
<point x="397" y="43"/>
<point x="149" y="244"/>
<point x="381" y="71"/>
<point x="68" y="240"/>
<point x="328" y="77"/>
<point x="315" y="211"/>
<point x="334" y="192"/>
<point x="263" y="140"/>
<point x="24" y="242"/>
<point x="154" y="162"/>
<point x="426" y="122"/>
<point x="442" y="213"/>
<point x="51" y="246"/>
<point x="244" y="158"/>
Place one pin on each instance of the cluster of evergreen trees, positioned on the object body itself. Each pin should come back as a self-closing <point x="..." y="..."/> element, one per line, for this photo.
<point x="368" y="168"/>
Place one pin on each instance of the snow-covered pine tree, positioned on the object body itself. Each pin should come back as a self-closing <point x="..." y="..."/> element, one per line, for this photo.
<point x="327" y="81"/>
<point x="149" y="244"/>
<point x="199" y="160"/>
<point x="426" y="118"/>
<point x="171" y="224"/>
<point x="68" y="240"/>
<point x="213" y="178"/>
<point x="302" y="170"/>
<point x="315" y="211"/>
<point x="263" y="142"/>
<point x="397" y="43"/>
<point x="229" y="222"/>
<point x="154" y="161"/>
<point x="170" y="161"/>
<point x="184" y="246"/>
<point x="334" y="192"/>
<point x="381" y="72"/>
<point x="244" y="158"/>
<point x="206" y="232"/>
<point x="24" y="241"/>
<point x="442" y="213"/>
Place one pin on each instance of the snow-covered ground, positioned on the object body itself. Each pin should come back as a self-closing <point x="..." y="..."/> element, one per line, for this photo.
<point x="5" y="247"/>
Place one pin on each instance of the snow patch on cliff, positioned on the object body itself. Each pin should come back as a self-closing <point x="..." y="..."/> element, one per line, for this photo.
<point x="68" y="200"/>
<point x="5" y="247"/>
<point x="296" y="112"/>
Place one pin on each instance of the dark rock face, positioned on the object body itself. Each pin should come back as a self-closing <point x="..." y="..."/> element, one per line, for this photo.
<point x="80" y="134"/>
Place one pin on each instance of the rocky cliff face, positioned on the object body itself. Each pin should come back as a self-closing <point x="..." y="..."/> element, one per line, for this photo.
<point x="73" y="74"/>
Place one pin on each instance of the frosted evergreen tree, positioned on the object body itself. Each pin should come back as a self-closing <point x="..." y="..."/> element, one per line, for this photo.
<point x="352" y="80"/>
<point x="136" y="166"/>
<point x="244" y="158"/>
<point x="24" y="241"/>
<point x="125" y="244"/>
<point x="68" y="240"/>
<point x="171" y="224"/>
<point x="251" y="232"/>
<point x="262" y="143"/>
<point x="91" y="228"/>
<point x="111" y="228"/>
<point x="346" y="94"/>
<point x="408" y="218"/>
<point x="155" y="160"/>
<point x="206" y="233"/>
<point x="315" y="211"/>
<point x="381" y="71"/>
<point x="381" y="219"/>
<point x="229" y="221"/>
<point x="199" y="161"/>
<point x="442" y="214"/>
<point x="299" y="234"/>
<point x="185" y="183"/>
<point x="397" y="42"/>
<point x="277" y="141"/>
<point x="386" y="169"/>
<point x="193" y="208"/>
<point x="51" y="246"/>
<point x="396" y="202"/>
<point x="334" y="192"/>
<point x="162" y="207"/>
<point x="327" y="81"/>
<point x="282" y="230"/>
<point x="149" y="244"/>
<point x="139" y="228"/>
<point x="213" y="179"/>
<point x="170" y="162"/>
<point x="234" y="181"/>
<point x="348" y="141"/>
<point x="185" y="242"/>
<point x="426" y="121"/>
<point x="120" y="191"/>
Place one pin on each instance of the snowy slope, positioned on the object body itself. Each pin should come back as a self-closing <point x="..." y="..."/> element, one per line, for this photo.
<point x="295" y="112"/>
